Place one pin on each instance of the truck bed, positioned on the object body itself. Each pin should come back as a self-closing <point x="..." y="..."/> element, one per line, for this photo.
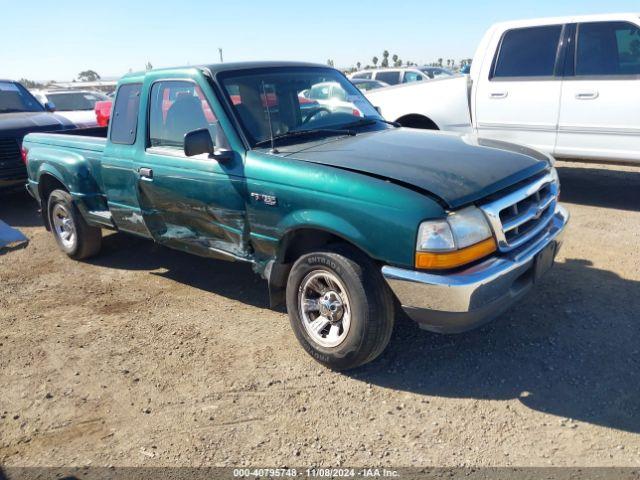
<point x="73" y="159"/>
<point x="443" y="101"/>
<point x="92" y="139"/>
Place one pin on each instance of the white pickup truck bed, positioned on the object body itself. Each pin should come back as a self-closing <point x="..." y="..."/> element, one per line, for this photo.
<point x="446" y="100"/>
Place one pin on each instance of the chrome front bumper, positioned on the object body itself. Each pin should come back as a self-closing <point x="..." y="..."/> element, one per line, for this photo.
<point x="459" y="301"/>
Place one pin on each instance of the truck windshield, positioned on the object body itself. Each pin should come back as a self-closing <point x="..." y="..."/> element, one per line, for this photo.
<point x="15" y="98"/>
<point x="71" y="101"/>
<point x="291" y="100"/>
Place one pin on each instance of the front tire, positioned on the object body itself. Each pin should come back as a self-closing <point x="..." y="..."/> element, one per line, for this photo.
<point x="73" y="235"/>
<point x="340" y="308"/>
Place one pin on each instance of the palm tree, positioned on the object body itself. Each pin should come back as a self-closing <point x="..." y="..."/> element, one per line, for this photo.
<point x="385" y="58"/>
<point x="439" y="62"/>
<point x="395" y="60"/>
<point x="375" y="62"/>
<point x="358" y="65"/>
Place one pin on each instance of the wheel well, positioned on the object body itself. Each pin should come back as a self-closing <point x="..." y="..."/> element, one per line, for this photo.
<point x="306" y="240"/>
<point x="292" y="246"/>
<point x="417" y="121"/>
<point x="47" y="184"/>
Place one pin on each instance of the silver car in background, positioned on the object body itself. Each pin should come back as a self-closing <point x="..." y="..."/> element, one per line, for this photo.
<point x="75" y="105"/>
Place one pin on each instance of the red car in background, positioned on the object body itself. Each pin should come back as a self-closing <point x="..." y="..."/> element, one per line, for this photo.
<point x="103" y="108"/>
<point x="103" y="112"/>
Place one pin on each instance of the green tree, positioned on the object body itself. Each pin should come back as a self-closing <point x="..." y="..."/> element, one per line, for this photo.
<point x="88" y="76"/>
<point x="358" y="65"/>
<point x="375" y="62"/>
<point x="439" y="62"/>
<point x="148" y="66"/>
<point x="330" y="62"/>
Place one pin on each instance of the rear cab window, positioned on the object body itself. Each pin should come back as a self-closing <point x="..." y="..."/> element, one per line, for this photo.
<point x="124" y="124"/>
<point x="527" y="52"/>
<point x="607" y="49"/>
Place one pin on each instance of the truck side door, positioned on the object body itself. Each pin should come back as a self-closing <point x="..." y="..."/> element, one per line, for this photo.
<point x="193" y="203"/>
<point x="119" y="179"/>
<point x="600" y="108"/>
<point x="517" y="97"/>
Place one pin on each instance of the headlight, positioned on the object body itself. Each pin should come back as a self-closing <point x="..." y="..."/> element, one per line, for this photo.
<point x="464" y="236"/>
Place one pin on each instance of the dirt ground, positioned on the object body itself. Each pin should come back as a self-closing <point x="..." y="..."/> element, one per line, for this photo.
<point x="148" y="356"/>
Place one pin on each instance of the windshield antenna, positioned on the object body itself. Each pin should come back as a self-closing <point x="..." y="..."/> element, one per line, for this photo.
<point x="266" y="102"/>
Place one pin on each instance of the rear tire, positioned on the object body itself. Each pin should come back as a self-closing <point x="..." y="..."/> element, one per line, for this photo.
<point x="73" y="235"/>
<point x="340" y="308"/>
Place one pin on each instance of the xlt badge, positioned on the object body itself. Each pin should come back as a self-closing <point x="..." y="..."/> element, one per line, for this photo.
<point x="266" y="199"/>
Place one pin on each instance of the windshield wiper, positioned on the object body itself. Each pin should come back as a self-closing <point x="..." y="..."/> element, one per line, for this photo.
<point x="306" y="133"/>
<point x="363" y="122"/>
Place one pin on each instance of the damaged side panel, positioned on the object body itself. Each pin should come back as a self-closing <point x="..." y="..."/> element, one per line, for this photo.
<point x="196" y="205"/>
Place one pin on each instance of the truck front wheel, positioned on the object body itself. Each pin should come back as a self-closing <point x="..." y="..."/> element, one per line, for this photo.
<point x="340" y="308"/>
<point x="74" y="237"/>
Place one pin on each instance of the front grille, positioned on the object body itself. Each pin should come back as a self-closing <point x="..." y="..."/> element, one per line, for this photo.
<point x="522" y="214"/>
<point x="11" y="165"/>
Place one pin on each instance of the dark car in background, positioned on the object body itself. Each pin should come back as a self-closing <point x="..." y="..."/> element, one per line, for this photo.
<point x="21" y="113"/>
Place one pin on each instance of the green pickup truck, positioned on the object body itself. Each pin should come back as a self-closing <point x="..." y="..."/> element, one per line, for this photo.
<point x="347" y="216"/>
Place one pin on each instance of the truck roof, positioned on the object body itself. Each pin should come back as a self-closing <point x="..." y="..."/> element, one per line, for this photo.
<point x="215" y="68"/>
<point x="568" y="19"/>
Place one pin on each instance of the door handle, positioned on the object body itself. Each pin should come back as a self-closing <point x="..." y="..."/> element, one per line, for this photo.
<point x="587" y="95"/>
<point x="498" y="95"/>
<point x="145" y="173"/>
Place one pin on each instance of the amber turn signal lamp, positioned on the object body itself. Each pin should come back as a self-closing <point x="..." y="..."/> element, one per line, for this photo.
<point x="445" y="260"/>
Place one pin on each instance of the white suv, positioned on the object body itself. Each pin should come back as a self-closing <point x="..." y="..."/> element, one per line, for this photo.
<point x="395" y="76"/>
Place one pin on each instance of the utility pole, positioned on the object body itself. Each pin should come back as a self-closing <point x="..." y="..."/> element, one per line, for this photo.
<point x="220" y="52"/>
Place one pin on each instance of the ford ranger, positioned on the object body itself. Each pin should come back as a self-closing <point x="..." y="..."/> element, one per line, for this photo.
<point x="567" y="86"/>
<point x="345" y="215"/>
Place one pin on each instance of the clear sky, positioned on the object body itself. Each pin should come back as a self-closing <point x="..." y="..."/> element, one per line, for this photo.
<point x="55" y="40"/>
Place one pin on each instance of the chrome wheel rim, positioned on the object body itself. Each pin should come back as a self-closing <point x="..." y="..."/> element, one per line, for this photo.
<point x="324" y="308"/>
<point x="63" y="226"/>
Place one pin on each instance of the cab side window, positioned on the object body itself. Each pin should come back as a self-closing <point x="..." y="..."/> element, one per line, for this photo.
<point x="177" y="108"/>
<point x="391" y="77"/>
<point x="528" y="52"/>
<point x="124" y="124"/>
<point x="411" y="77"/>
<point x="608" y="48"/>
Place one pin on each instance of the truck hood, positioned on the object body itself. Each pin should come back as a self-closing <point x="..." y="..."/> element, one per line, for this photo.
<point x="20" y="123"/>
<point x="459" y="169"/>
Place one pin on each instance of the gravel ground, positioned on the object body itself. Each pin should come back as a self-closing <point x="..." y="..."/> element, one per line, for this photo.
<point x="147" y="356"/>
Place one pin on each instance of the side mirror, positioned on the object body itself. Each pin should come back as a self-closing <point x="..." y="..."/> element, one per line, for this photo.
<point x="379" y="110"/>
<point x="50" y="107"/>
<point x="197" y="142"/>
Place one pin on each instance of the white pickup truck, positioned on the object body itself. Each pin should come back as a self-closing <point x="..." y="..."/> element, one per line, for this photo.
<point x="567" y="86"/>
